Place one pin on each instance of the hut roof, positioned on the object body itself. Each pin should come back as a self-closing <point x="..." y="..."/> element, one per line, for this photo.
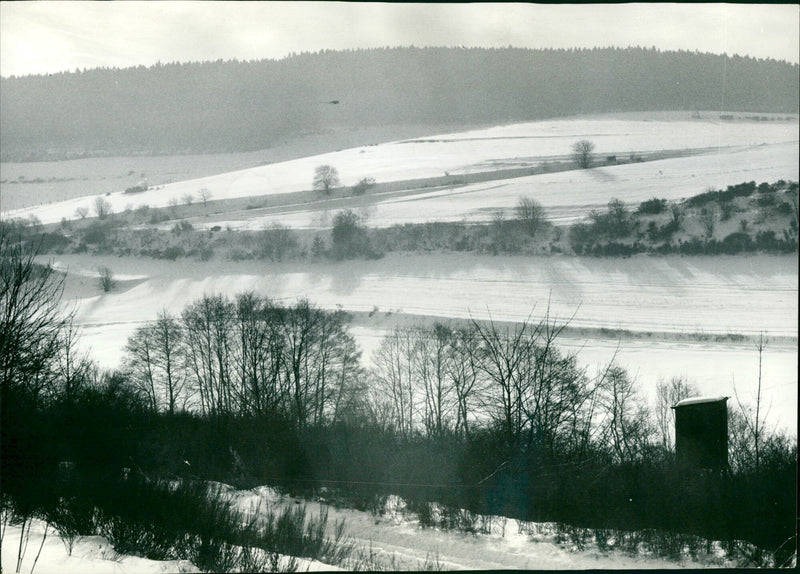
<point x="699" y="400"/>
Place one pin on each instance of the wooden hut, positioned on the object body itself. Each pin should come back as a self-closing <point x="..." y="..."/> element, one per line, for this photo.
<point x="701" y="433"/>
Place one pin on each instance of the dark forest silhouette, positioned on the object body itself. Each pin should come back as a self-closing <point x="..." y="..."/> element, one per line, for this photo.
<point x="237" y="106"/>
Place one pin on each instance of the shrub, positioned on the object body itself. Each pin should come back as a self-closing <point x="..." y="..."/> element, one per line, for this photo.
<point x="172" y="253"/>
<point x="652" y="206"/>
<point x="736" y="243"/>
<point x="727" y="208"/>
<point x="102" y="208"/>
<point x="363" y="186"/>
<point x="703" y="198"/>
<point x="72" y="517"/>
<point x="317" y="246"/>
<point x="615" y="249"/>
<point x="531" y="213"/>
<point x="205" y="252"/>
<point x="348" y="237"/>
<point x="768" y="241"/>
<point x="106" y="279"/>
<point x="157" y="217"/>
<point x="181" y="227"/>
<point x="581" y="236"/>
<point x="663" y="233"/>
<point x="766" y="200"/>
<point x="708" y="218"/>
<point x="765" y="187"/>
<point x="96" y="233"/>
<point x="47" y="242"/>
<point x="276" y="242"/>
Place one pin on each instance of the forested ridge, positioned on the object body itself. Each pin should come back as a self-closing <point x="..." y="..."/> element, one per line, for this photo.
<point x="237" y="106"/>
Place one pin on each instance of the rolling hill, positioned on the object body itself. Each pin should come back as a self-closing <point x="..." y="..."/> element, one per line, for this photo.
<point x="238" y="106"/>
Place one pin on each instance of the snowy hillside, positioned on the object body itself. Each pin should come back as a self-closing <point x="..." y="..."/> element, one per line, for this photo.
<point x="496" y="148"/>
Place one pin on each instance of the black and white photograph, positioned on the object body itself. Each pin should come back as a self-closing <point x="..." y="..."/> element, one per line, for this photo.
<point x="398" y="286"/>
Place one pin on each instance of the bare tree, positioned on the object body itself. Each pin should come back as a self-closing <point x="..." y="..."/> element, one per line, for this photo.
<point x="439" y="401"/>
<point x="101" y="207"/>
<point x="31" y="320"/>
<point x="208" y="336"/>
<point x="502" y="357"/>
<point x="188" y="199"/>
<point x="35" y="223"/>
<point x="393" y="370"/>
<point x="140" y="363"/>
<point x="106" y="278"/>
<point x="299" y="326"/>
<point x="531" y="213"/>
<point x="582" y="153"/>
<point x="538" y="396"/>
<point x="326" y="177"/>
<point x="676" y="214"/>
<point x="320" y="363"/>
<point x="753" y="419"/>
<point x="363" y="185"/>
<point x="668" y="394"/>
<point x="82" y="211"/>
<point x="204" y="194"/>
<point x="708" y="220"/>
<point x="259" y="354"/>
<point x="173" y="206"/>
<point x="463" y="371"/>
<point x="276" y="242"/>
<point x="335" y="369"/>
<point x="625" y="427"/>
<point x="73" y="366"/>
<point x="618" y="214"/>
<point x="168" y="350"/>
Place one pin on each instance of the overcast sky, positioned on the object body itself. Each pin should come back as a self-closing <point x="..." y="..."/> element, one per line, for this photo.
<point x="43" y="37"/>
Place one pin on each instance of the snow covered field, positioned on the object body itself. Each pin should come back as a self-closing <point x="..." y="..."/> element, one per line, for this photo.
<point x="502" y="147"/>
<point x="568" y="196"/>
<point x="687" y="299"/>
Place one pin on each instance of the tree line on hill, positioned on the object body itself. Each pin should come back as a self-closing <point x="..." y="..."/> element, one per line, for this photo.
<point x="742" y="218"/>
<point x="480" y="419"/>
<point x="237" y="106"/>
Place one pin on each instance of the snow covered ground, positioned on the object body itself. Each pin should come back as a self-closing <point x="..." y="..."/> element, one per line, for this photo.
<point x="391" y="539"/>
<point x="568" y="196"/>
<point x="90" y="555"/>
<point x="687" y="299"/>
<point x="484" y="150"/>
<point x="95" y="555"/>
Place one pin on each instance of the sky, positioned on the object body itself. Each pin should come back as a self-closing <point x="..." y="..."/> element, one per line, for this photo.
<point x="47" y="37"/>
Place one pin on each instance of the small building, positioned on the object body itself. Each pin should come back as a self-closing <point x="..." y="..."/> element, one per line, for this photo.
<point x="701" y="432"/>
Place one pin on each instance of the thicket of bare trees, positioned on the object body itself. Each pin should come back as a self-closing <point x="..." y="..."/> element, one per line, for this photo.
<point x="251" y="356"/>
<point x="36" y="333"/>
<point x="248" y="356"/>
<point x="440" y="381"/>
